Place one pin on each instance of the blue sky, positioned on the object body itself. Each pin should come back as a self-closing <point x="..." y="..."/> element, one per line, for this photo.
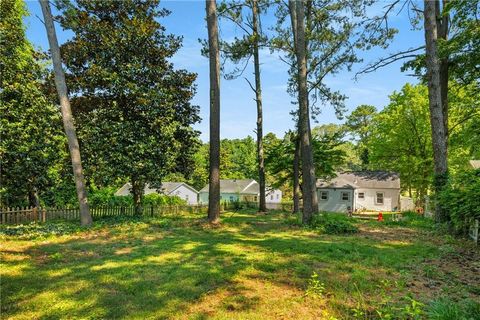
<point x="238" y="109"/>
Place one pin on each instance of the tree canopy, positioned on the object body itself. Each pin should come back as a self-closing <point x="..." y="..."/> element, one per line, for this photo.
<point x="133" y="107"/>
<point x="32" y="144"/>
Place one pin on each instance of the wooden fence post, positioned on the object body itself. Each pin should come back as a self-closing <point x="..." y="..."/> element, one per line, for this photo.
<point x="35" y="214"/>
<point x="44" y="215"/>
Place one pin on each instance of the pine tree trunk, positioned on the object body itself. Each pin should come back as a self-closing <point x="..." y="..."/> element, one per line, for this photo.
<point x="442" y="29"/>
<point x="214" y="56"/>
<point x="310" y="204"/>
<point x="439" y="136"/>
<point x="262" y="207"/>
<point x="296" y="177"/>
<point x="68" y="123"/>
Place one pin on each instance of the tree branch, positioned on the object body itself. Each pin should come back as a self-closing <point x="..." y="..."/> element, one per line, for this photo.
<point x="410" y="53"/>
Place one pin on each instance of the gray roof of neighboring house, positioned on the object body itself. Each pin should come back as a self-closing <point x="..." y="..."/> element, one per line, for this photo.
<point x="475" y="164"/>
<point x="243" y="186"/>
<point x="362" y="179"/>
<point x="166" y="188"/>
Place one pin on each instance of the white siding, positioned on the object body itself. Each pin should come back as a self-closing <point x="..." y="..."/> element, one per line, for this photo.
<point x="334" y="203"/>
<point x="390" y="199"/>
<point x="186" y="194"/>
<point x="273" y="196"/>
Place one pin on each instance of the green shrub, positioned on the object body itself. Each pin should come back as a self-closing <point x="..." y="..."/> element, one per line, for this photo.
<point x="106" y="197"/>
<point x="333" y="223"/>
<point x="462" y="199"/>
<point x="158" y="199"/>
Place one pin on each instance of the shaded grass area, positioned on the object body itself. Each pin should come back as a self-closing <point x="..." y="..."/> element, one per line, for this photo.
<point x="250" y="267"/>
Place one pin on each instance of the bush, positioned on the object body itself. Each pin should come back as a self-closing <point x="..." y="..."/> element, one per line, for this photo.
<point x="462" y="199"/>
<point x="333" y="223"/>
<point x="156" y="199"/>
<point x="107" y="197"/>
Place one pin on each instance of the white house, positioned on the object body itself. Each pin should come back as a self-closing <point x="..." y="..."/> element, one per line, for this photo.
<point x="242" y="190"/>
<point x="179" y="189"/>
<point x="475" y="164"/>
<point x="360" y="190"/>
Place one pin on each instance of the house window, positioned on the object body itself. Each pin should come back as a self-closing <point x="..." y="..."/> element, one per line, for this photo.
<point x="255" y="198"/>
<point x="271" y="197"/>
<point x="361" y="195"/>
<point x="186" y="197"/>
<point x="379" y="198"/>
<point x="231" y="198"/>
<point x="278" y="196"/>
<point x="324" y="195"/>
<point x="345" y="196"/>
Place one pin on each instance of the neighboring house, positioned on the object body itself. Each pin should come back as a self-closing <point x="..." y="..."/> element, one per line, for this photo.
<point x="179" y="189"/>
<point x="475" y="164"/>
<point x="360" y="190"/>
<point x="247" y="190"/>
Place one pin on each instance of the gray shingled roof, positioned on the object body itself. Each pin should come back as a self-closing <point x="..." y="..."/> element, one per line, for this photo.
<point x="166" y="188"/>
<point x="243" y="186"/>
<point x="362" y="179"/>
<point x="475" y="164"/>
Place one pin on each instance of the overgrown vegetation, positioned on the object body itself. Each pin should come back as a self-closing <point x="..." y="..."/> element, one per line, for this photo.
<point x="333" y="223"/>
<point x="462" y="199"/>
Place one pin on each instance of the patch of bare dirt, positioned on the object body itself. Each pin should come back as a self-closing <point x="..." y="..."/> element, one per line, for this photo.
<point x="456" y="271"/>
<point x="388" y="234"/>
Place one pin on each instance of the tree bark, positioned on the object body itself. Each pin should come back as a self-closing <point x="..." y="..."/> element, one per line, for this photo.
<point x="310" y="203"/>
<point x="296" y="177"/>
<point x="138" y="190"/>
<point x="214" y="56"/>
<point x="68" y="122"/>
<point x="33" y="199"/>
<point x="262" y="207"/>
<point x="442" y="29"/>
<point x="437" y="119"/>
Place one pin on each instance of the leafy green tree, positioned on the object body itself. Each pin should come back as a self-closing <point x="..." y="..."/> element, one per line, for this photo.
<point x="400" y="140"/>
<point x="32" y="142"/>
<point x="462" y="46"/>
<point x="358" y="124"/>
<point x="132" y="106"/>
<point x="238" y="160"/>
<point x="328" y="154"/>
<point x="450" y="53"/>
<point x="401" y="136"/>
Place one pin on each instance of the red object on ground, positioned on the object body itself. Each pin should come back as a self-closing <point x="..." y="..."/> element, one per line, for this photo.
<point x="380" y="216"/>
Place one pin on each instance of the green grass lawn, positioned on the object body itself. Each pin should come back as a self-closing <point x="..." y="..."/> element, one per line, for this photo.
<point x="249" y="267"/>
